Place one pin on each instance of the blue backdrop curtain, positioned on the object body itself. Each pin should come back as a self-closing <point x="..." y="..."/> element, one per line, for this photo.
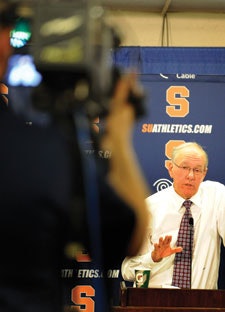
<point x="206" y="63"/>
<point x="154" y="60"/>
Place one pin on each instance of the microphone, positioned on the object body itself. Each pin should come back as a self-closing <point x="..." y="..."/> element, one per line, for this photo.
<point x="191" y="223"/>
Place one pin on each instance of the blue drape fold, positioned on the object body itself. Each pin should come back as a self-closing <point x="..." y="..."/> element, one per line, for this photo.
<point x="171" y="60"/>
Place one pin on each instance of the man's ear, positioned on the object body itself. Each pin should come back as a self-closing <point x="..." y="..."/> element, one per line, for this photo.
<point x="169" y="168"/>
<point x="205" y="172"/>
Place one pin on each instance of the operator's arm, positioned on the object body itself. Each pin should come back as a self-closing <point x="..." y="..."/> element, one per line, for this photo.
<point x="124" y="173"/>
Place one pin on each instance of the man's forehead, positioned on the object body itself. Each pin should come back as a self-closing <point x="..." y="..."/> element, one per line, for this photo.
<point x="189" y="155"/>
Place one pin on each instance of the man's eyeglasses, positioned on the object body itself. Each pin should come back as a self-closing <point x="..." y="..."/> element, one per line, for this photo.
<point x="187" y="170"/>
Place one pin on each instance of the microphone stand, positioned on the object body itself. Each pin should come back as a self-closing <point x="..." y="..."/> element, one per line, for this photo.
<point x="191" y="223"/>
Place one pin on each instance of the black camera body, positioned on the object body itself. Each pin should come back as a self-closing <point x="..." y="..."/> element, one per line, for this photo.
<point x="72" y="46"/>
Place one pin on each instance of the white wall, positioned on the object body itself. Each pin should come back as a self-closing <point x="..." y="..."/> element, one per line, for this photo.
<point x="181" y="29"/>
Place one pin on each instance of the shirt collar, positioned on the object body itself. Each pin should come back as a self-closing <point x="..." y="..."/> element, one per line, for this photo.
<point x="178" y="200"/>
<point x="196" y="199"/>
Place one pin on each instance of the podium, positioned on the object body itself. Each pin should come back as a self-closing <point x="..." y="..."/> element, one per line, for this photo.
<point x="169" y="299"/>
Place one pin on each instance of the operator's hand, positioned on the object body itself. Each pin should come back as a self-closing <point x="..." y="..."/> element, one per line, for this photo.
<point x="163" y="249"/>
<point x="120" y="120"/>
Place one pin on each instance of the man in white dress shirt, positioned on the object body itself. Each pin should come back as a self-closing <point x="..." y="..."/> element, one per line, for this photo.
<point x="188" y="168"/>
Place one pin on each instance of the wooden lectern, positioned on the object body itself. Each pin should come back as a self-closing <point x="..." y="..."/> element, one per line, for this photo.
<point x="168" y="300"/>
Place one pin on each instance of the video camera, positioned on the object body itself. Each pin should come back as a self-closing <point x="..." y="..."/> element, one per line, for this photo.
<point x="71" y="45"/>
<point x="72" y="48"/>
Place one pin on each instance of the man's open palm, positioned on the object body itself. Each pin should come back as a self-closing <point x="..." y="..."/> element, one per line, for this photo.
<point x="163" y="249"/>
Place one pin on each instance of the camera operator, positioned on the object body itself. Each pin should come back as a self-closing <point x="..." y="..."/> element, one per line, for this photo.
<point x="37" y="184"/>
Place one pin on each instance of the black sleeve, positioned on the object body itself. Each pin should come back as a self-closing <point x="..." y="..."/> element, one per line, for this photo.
<point x="117" y="223"/>
<point x="115" y="218"/>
